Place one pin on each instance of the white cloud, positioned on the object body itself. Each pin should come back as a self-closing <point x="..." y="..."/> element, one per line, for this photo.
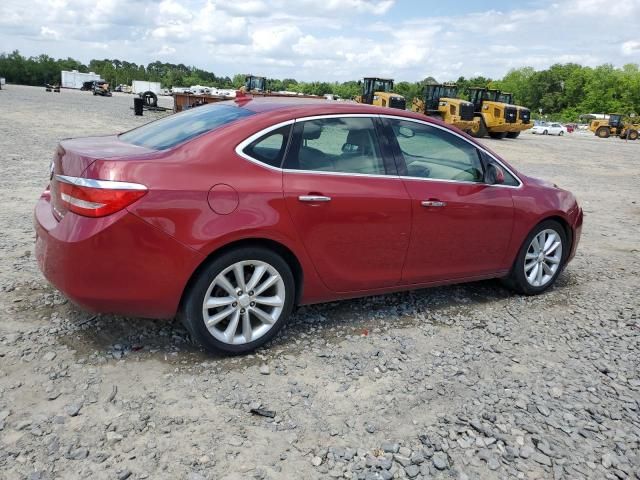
<point x="49" y="34"/>
<point x="632" y="47"/>
<point x="166" y="50"/>
<point x="326" y="39"/>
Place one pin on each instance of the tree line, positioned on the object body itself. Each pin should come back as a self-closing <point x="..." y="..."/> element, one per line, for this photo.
<point x="561" y="92"/>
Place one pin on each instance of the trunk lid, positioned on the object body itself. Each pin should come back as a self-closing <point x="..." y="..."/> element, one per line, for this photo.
<point x="74" y="156"/>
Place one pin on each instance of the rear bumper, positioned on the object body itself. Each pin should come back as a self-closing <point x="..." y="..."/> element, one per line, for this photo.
<point x="115" y="264"/>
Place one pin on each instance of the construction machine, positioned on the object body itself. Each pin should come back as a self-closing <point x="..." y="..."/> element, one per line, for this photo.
<point x="253" y="83"/>
<point x="523" y="121"/>
<point x="441" y="100"/>
<point x="615" y="126"/>
<point x="496" y="118"/>
<point x="379" y="91"/>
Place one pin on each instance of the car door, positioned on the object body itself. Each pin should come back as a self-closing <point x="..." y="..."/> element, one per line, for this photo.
<point x="461" y="225"/>
<point x="348" y="204"/>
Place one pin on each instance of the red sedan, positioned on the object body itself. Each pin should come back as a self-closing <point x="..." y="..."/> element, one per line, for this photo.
<point x="231" y="214"/>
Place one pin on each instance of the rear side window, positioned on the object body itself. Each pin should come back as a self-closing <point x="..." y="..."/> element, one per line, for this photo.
<point x="170" y="131"/>
<point x="270" y="148"/>
<point x="340" y="145"/>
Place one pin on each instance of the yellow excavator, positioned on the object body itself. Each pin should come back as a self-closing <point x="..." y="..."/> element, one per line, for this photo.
<point x="379" y="91"/>
<point x="615" y="126"/>
<point x="440" y="100"/>
<point x="523" y="121"/>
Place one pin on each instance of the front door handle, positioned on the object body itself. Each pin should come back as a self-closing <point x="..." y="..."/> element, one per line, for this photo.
<point x="314" y="198"/>
<point x="433" y="203"/>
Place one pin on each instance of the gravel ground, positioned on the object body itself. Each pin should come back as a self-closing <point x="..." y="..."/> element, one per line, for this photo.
<point x="466" y="382"/>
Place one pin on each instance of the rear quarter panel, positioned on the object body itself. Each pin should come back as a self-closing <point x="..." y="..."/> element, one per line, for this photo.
<point x="179" y="181"/>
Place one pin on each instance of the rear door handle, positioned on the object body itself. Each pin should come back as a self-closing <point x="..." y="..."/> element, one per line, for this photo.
<point x="433" y="203"/>
<point x="314" y="198"/>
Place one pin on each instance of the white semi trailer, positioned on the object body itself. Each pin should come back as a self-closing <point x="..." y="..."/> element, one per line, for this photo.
<point x="142" y="86"/>
<point x="75" y="79"/>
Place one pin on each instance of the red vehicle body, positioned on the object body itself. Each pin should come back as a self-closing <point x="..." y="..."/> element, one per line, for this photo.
<point x="203" y="197"/>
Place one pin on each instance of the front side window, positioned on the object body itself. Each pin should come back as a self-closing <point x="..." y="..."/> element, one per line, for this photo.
<point x="175" y="129"/>
<point x="341" y="145"/>
<point x="270" y="148"/>
<point x="430" y="152"/>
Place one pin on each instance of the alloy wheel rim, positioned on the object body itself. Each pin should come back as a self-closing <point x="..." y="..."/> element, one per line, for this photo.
<point x="542" y="260"/>
<point x="243" y="302"/>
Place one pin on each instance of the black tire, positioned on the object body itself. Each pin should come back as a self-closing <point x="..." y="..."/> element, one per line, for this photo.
<point x="546" y="132"/>
<point x="150" y="99"/>
<point x="603" y="132"/>
<point x="561" y="133"/>
<point x="498" y="135"/>
<point x="513" y="134"/>
<point x="191" y="311"/>
<point x="632" y="135"/>
<point x="481" y="131"/>
<point x="517" y="279"/>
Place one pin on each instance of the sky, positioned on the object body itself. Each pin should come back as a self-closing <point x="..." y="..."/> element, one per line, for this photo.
<point x="330" y="40"/>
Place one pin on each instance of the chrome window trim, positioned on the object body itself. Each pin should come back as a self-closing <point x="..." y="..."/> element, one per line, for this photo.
<point x="242" y="145"/>
<point x="248" y="141"/>
<point x="480" y="147"/>
<point x="102" y="184"/>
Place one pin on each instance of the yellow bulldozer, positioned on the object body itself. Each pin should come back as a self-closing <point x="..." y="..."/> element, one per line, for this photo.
<point x="496" y="118"/>
<point x="379" y="91"/>
<point x="441" y="100"/>
<point x="615" y="126"/>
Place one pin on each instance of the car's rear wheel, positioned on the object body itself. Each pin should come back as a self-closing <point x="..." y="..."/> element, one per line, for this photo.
<point x="560" y="133"/>
<point x="239" y="301"/>
<point x="540" y="259"/>
<point x="545" y="132"/>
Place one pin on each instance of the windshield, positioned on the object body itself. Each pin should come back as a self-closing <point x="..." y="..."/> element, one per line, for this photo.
<point x="449" y="91"/>
<point x="170" y="131"/>
<point x="382" y="86"/>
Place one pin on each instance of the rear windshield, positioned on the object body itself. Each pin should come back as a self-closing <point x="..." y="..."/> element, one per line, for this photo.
<point x="170" y="131"/>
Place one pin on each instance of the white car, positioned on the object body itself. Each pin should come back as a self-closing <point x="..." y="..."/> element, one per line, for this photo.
<point x="549" y="129"/>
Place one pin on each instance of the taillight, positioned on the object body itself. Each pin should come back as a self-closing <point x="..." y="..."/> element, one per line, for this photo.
<point x="96" y="198"/>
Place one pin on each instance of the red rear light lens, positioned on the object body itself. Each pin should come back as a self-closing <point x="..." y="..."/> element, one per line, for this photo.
<point x="96" y="198"/>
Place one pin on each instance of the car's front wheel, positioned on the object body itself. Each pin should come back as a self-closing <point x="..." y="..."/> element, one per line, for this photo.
<point x="239" y="300"/>
<point x="540" y="259"/>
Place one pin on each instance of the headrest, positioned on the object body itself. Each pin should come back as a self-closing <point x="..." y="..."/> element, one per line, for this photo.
<point x="358" y="137"/>
<point x="311" y="131"/>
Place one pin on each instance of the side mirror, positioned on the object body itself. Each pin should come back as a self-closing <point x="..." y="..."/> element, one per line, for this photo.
<point x="494" y="175"/>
